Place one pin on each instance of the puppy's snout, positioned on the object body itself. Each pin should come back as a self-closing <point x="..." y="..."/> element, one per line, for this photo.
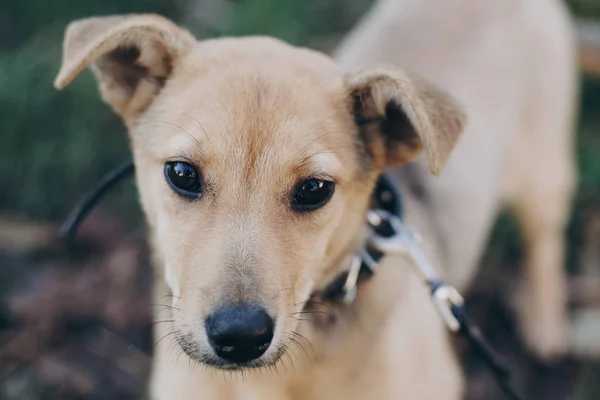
<point x="240" y="334"/>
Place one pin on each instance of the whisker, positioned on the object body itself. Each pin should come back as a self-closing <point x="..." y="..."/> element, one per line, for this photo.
<point x="162" y="305"/>
<point x="168" y="334"/>
<point x="312" y="141"/>
<point x="286" y="353"/>
<point x="189" y="135"/>
<point x="310" y="312"/>
<point x="161" y="322"/>
<point x="179" y="355"/>
<point x="172" y="347"/>
<point x="302" y="347"/>
<point x="314" y="303"/>
<point x="282" y="362"/>
<point x="321" y="151"/>
<point x="199" y="124"/>
<point x="169" y="295"/>
<point x="315" y="139"/>
<point x="312" y="349"/>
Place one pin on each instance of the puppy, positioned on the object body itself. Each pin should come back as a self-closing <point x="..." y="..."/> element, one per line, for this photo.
<point x="255" y="163"/>
<point x="512" y="64"/>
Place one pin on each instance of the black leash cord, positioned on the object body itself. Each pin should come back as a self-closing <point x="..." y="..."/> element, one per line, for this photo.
<point x="69" y="228"/>
<point x="500" y="370"/>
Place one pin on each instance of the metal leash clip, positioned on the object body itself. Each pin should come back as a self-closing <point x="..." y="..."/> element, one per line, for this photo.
<point x="405" y="242"/>
<point x="445" y="299"/>
<point x="352" y="280"/>
<point x="350" y="285"/>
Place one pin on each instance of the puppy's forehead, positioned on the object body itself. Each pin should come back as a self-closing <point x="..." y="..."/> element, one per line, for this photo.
<point x="267" y="109"/>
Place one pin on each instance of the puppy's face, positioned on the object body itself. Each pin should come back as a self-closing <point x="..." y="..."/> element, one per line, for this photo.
<point x="252" y="175"/>
<point x="255" y="162"/>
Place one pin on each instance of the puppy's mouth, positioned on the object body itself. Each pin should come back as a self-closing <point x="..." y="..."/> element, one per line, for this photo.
<point x="189" y="346"/>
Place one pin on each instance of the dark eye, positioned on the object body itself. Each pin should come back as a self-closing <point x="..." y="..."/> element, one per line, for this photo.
<point x="312" y="194"/>
<point x="184" y="179"/>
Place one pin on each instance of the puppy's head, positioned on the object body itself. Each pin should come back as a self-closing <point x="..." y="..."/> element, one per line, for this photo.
<point x="255" y="162"/>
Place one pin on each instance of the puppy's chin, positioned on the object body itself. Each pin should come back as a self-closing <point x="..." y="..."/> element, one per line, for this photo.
<point x="206" y="357"/>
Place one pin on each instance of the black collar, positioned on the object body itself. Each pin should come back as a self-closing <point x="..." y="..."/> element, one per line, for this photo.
<point x="386" y="196"/>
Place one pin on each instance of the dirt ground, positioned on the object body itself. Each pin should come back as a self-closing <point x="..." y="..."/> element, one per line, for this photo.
<point x="75" y="322"/>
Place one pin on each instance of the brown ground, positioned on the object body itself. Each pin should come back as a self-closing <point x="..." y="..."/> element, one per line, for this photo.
<point x="75" y="323"/>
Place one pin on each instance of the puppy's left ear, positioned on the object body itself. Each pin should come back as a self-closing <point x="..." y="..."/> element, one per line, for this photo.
<point x="400" y="115"/>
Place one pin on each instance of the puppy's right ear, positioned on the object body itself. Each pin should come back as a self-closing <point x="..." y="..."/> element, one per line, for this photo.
<point x="131" y="56"/>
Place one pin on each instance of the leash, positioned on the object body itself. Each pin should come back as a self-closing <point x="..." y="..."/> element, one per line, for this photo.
<point x="70" y="226"/>
<point x="390" y="236"/>
<point x="446" y="299"/>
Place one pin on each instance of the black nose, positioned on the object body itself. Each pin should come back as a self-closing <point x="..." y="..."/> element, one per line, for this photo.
<point x="239" y="334"/>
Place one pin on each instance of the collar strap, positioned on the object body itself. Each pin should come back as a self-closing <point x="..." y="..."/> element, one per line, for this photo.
<point x="387" y="197"/>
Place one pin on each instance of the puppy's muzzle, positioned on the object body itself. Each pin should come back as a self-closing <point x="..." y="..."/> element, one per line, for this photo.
<point x="240" y="333"/>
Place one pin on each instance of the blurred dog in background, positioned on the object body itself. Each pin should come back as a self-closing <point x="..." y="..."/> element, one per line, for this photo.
<point x="513" y="65"/>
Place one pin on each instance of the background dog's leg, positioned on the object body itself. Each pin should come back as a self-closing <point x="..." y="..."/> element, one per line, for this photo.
<point x="542" y="207"/>
<point x="543" y="307"/>
<point x="542" y="179"/>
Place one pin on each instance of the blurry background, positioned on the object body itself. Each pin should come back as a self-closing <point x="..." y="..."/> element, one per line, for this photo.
<point x="75" y="323"/>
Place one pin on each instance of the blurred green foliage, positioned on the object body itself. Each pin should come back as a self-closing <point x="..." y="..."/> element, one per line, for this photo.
<point x="298" y="22"/>
<point x="55" y="145"/>
<point x="585" y="8"/>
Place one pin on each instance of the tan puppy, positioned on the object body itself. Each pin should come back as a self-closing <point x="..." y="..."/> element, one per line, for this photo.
<point x="512" y="64"/>
<point x="255" y="162"/>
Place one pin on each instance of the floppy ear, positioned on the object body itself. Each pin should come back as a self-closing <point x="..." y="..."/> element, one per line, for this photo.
<point x="131" y="56"/>
<point x="399" y="115"/>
